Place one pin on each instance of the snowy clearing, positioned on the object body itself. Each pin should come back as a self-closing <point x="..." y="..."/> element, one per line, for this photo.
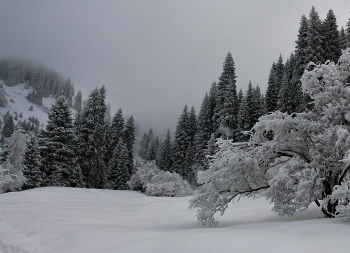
<point x="90" y="220"/>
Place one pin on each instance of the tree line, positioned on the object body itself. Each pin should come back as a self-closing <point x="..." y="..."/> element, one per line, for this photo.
<point x="231" y="114"/>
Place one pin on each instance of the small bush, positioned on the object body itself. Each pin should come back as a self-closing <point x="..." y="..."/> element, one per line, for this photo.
<point x="155" y="182"/>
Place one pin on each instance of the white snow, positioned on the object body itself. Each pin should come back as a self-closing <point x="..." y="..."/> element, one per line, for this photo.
<point x="17" y="102"/>
<point x="89" y="220"/>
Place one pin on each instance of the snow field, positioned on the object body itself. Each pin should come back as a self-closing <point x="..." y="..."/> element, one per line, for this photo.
<point x="89" y="220"/>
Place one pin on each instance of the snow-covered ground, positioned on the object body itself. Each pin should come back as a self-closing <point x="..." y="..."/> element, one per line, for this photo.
<point x="90" y="220"/>
<point x="17" y="102"/>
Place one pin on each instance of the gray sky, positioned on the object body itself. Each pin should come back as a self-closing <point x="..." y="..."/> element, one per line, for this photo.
<point x="156" y="56"/>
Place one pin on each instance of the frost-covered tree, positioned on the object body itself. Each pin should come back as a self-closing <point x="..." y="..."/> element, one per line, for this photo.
<point x="91" y="130"/>
<point x="306" y="161"/>
<point x="113" y="135"/>
<point x="9" y="126"/>
<point x="226" y="98"/>
<point x="118" y="170"/>
<point x="331" y="38"/>
<point x="129" y="139"/>
<point x="274" y="85"/>
<point x="78" y="101"/>
<point x="181" y="144"/>
<point x="164" y="162"/>
<point x="314" y="51"/>
<point x="3" y="99"/>
<point x="32" y="164"/>
<point x="58" y="148"/>
<point x="12" y="166"/>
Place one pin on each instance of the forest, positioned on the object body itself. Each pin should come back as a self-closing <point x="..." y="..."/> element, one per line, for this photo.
<point x="290" y="144"/>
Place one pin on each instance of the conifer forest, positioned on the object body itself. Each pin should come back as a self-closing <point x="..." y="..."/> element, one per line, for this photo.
<point x="289" y="143"/>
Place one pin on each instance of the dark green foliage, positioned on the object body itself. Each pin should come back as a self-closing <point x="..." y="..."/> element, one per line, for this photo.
<point x="331" y="38"/>
<point x="314" y="51"/>
<point x="78" y="101"/>
<point x="32" y="164"/>
<point x="91" y="130"/>
<point x="8" y="126"/>
<point x="227" y="104"/>
<point x="181" y="144"/>
<point x="58" y="148"/>
<point x="118" y="169"/>
<point x="164" y="161"/>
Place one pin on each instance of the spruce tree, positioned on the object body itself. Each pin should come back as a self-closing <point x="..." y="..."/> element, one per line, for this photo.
<point x="271" y="104"/>
<point x="13" y="153"/>
<point x="244" y="121"/>
<point x="59" y="140"/>
<point x="331" y="38"/>
<point x="91" y="139"/>
<point x="78" y="101"/>
<point x="314" y="51"/>
<point x="181" y="144"/>
<point x="118" y="170"/>
<point x="342" y="37"/>
<point x="114" y="134"/>
<point x="347" y="34"/>
<point x="32" y="164"/>
<point x="129" y="139"/>
<point x="9" y="126"/>
<point x="164" y="162"/>
<point x="226" y="105"/>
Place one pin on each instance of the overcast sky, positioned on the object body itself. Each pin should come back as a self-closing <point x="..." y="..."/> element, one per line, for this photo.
<point x="154" y="57"/>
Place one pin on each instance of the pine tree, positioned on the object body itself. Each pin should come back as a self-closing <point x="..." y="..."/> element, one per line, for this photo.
<point x="114" y="134"/>
<point x="331" y="38"/>
<point x="226" y="105"/>
<point x="271" y="104"/>
<point x="129" y="139"/>
<point x="164" y="162"/>
<point x="342" y="37"/>
<point x="32" y="164"/>
<point x="13" y="153"/>
<point x="192" y="120"/>
<point x="59" y="140"/>
<point x="212" y="98"/>
<point x="347" y="34"/>
<point x="118" y="170"/>
<point x="290" y="97"/>
<point x="78" y="101"/>
<point x="203" y="134"/>
<point x="9" y="126"/>
<point x="244" y="120"/>
<point x="181" y="144"/>
<point x="314" y="51"/>
<point x="91" y="139"/>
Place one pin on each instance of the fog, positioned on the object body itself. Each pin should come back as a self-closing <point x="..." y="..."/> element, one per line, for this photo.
<point x="154" y="57"/>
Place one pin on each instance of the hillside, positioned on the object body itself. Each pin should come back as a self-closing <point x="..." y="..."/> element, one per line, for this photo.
<point x="90" y="220"/>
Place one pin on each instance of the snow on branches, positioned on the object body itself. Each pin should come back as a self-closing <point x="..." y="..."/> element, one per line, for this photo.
<point x="293" y="160"/>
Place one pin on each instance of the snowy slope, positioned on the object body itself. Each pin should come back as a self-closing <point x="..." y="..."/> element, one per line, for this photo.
<point x="90" y="220"/>
<point x="17" y="102"/>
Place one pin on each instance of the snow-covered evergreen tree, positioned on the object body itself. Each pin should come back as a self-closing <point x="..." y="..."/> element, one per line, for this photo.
<point x="78" y="101"/>
<point x="181" y="144"/>
<point x="12" y="166"/>
<point x="113" y="135"/>
<point x="164" y="162"/>
<point x="118" y="169"/>
<point x="129" y="139"/>
<point x="331" y="38"/>
<point x="91" y="139"/>
<point x="58" y="150"/>
<point x="227" y="104"/>
<point x="32" y="164"/>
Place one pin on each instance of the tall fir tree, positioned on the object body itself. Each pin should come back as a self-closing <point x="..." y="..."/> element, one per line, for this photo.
<point x="164" y="162"/>
<point x="331" y="38"/>
<point x="78" y="101"/>
<point x="32" y="164"/>
<point x="347" y="34"/>
<point x="129" y="139"/>
<point x="181" y="144"/>
<point x="91" y="139"/>
<point x="314" y="51"/>
<point x="244" y="121"/>
<point x="118" y="170"/>
<point x="342" y="36"/>
<point x="13" y="153"/>
<point x="113" y="134"/>
<point x="227" y="104"/>
<point x="58" y="151"/>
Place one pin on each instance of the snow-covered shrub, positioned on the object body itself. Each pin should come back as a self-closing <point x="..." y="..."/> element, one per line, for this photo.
<point x="156" y="182"/>
<point x="304" y="161"/>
